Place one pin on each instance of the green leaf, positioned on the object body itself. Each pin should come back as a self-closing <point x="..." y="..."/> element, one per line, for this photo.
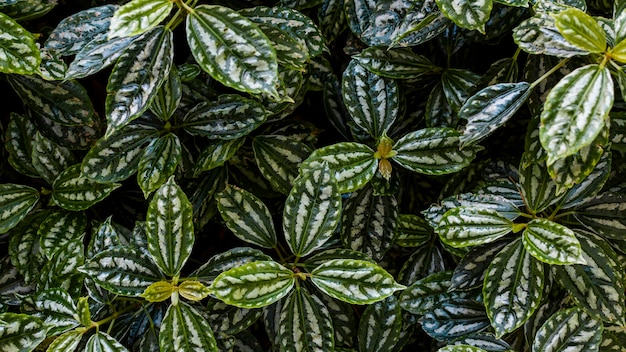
<point x="380" y="326"/>
<point x="16" y="201"/>
<point x="193" y="290"/>
<point x="439" y="112"/>
<point x="290" y="52"/>
<point x="332" y="19"/>
<point x="170" y="228"/>
<point x="537" y="187"/>
<point x="467" y="13"/>
<point x="591" y="185"/>
<point x="619" y="20"/>
<point x="484" y="341"/>
<point x="412" y="231"/>
<point x="217" y="153"/>
<point x="368" y="221"/>
<point x="233" y="50"/>
<point x="490" y="108"/>
<point x="62" y="269"/>
<point x="457" y="86"/>
<point x="73" y="137"/>
<point x="306" y="324"/>
<point x="18" y="51"/>
<point x="352" y="163"/>
<point x="312" y="210"/>
<point x="279" y="158"/>
<point x="168" y="97"/>
<point x="253" y="285"/>
<point x="247" y="216"/>
<point x="424" y="261"/>
<point x="552" y="243"/>
<point x="24" y="248"/>
<point x="229" y="259"/>
<point x="158" y="162"/>
<point x="597" y="286"/>
<point x="60" y="228"/>
<point x="231" y="117"/>
<point x="354" y="281"/>
<point x="372" y="101"/>
<point x="57" y="310"/>
<point x="82" y="311"/>
<point x="138" y="16"/>
<point x="539" y="35"/>
<point x="433" y="151"/>
<point x="158" y="291"/>
<point x="20" y="332"/>
<point x="49" y="159"/>
<point x="184" y="330"/>
<point x="72" y="191"/>
<point x="229" y="319"/>
<point x="575" y="111"/>
<point x="427" y="293"/>
<point x="464" y="226"/>
<point x="123" y="271"/>
<point x="102" y="341"/>
<point x="344" y="324"/>
<point x="97" y="55"/>
<point x="18" y="137"/>
<point x="569" y="330"/>
<point x="513" y="286"/>
<point x="460" y="348"/>
<point x="470" y="271"/>
<point x="395" y="63"/>
<point x="24" y="10"/>
<point x="613" y="339"/>
<point x="67" y="342"/>
<point x="137" y="76"/>
<point x="604" y="214"/>
<point x="455" y="318"/>
<point x="581" y="30"/>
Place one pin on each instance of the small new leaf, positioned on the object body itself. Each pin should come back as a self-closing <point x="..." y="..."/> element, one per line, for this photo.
<point x="193" y="290"/>
<point x="158" y="291"/>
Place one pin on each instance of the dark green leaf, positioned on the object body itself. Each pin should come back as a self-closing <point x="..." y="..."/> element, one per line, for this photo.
<point x="552" y="243"/>
<point x="604" y="214"/>
<point x="49" y="159"/>
<point x="158" y="162"/>
<point x="380" y="326"/>
<point x="458" y="85"/>
<point x="539" y="35"/>
<point x="454" y="318"/>
<point x="184" y="330"/>
<point x="20" y="332"/>
<point x="465" y="226"/>
<point x="18" y="50"/>
<point x="306" y="324"/>
<point x="60" y="228"/>
<point x="97" y="55"/>
<point x="395" y="63"/>
<point x="72" y="191"/>
<point x="229" y="259"/>
<point x="217" y="153"/>
<point x="467" y="13"/>
<point x="569" y="330"/>
<point x="230" y="319"/>
<point x="15" y="203"/>
<point x="18" y="138"/>
<point x="279" y="158"/>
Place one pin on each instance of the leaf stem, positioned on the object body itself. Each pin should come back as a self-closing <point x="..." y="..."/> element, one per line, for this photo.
<point x="550" y="72"/>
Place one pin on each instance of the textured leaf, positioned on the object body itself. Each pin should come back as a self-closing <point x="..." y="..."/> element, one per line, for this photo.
<point x="72" y="191"/>
<point x="15" y="203"/>
<point x="352" y="163"/>
<point x="412" y="231"/>
<point x="581" y="30"/>
<point x="278" y="158"/>
<point x="82" y="311"/>
<point x="619" y="19"/>
<point x="18" y="52"/>
<point x="455" y="318"/>
<point x="24" y="248"/>
<point x="537" y="187"/>
<point x="457" y="86"/>
<point x="217" y="153"/>
<point x="290" y="52"/>
<point x="470" y="271"/>
<point x="138" y="16"/>
<point x="49" y="159"/>
<point x="439" y="112"/>
<point x="604" y="214"/>
<point x="332" y="19"/>
<point x="18" y="137"/>
<point x="123" y="271"/>
<point x="158" y="162"/>
<point x="97" y="55"/>
<point x="539" y="35"/>
<point x="57" y="310"/>
<point x="354" y="281"/>
<point x="433" y="151"/>
<point x="51" y="68"/>
<point x="427" y="293"/>
<point x="372" y="101"/>
<point x="229" y="259"/>
<point x="380" y="326"/>
<point x="467" y="13"/>
<point x="460" y="348"/>
<point x="484" y="341"/>
<point x="137" y="76"/>
<point x="62" y="269"/>
<point x="344" y="324"/>
<point x="490" y="108"/>
<point x="20" y="332"/>
<point x="229" y="319"/>
<point x="552" y="243"/>
<point x="193" y="290"/>
<point x="575" y="111"/>
<point x="168" y="97"/>
<point x="76" y="137"/>
<point x="28" y="9"/>
<point x="513" y="286"/>
<point x="591" y="185"/>
<point x="569" y="330"/>
<point x="158" y="291"/>
<point x="60" y="228"/>
<point x="424" y="261"/>
<point x="253" y="285"/>
<point x="395" y="63"/>
<point x="184" y="330"/>
<point x="67" y="342"/>
<point x="306" y="324"/>
<point x="170" y="228"/>
<point x="232" y="49"/>
<point x="465" y="226"/>
<point x="102" y="341"/>
<point x="613" y="339"/>
<point x="247" y="216"/>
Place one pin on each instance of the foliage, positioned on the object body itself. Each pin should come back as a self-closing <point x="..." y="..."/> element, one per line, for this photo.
<point x="313" y="175"/>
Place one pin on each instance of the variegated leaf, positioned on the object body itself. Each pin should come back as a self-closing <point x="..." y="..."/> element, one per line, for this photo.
<point x="18" y="52"/>
<point x="203" y="197"/>
<point x="97" y="55"/>
<point x="72" y="191"/>
<point x="613" y="339"/>
<point x="229" y="259"/>
<point x="168" y="97"/>
<point x="513" y="286"/>
<point x="24" y="247"/>
<point x="49" y="159"/>
<point x="52" y="68"/>
<point x="290" y="52"/>
<point x="247" y="216"/>
<point x="460" y="348"/>
<point x="433" y="151"/>
<point x="279" y="158"/>
<point x="20" y="332"/>
<point x="380" y="326"/>
<point x="439" y="112"/>
<point x="138" y="16"/>
<point x="102" y="341"/>
<point x="231" y="117"/>
<point x="67" y="342"/>
<point x="344" y="324"/>
<point x="368" y="222"/>
<point x="217" y="153"/>
<point x="77" y="30"/>
<point x="395" y="63"/>
<point x="467" y="13"/>
<point x="575" y="111"/>
<point x="424" y="261"/>
<point x="457" y="85"/>
<point x="306" y="324"/>
<point x="598" y="286"/>
<point x="569" y="330"/>
<point x="60" y="228"/>
<point x="372" y="101"/>
<point x="484" y="341"/>
<point x="18" y="137"/>
<point x="170" y="228"/>
<point x="62" y="269"/>
<point x="24" y="10"/>
<point x="332" y="19"/>
<point x="158" y="162"/>
<point x="64" y="103"/>
<point x="427" y="293"/>
<point x="82" y="311"/>
<point x="16" y="201"/>
<point x="455" y="318"/>
<point x="73" y="137"/>
<point x="604" y="214"/>
<point x="312" y="210"/>
<point x="539" y="35"/>
<point x="253" y="285"/>
<point x="137" y="76"/>
<point x="184" y="330"/>
<point x="57" y="310"/>
<point x="159" y="291"/>
<point x="354" y="281"/>
<point x="537" y="187"/>
<point x="335" y="253"/>
<point x="352" y="163"/>
<point x="490" y="108"/>
<point x="581" y="29"/>
<point x="591" y="185"/>
<point x="412" y="231"/>
<point x="117" y="157"/>
<point x="229" y="319"/>
<point x="619" y="19"/>
<point x="470" y="271"/>
<point x="465" y="226"/>
<point x="123" y="271"/>
<point x="245" y="62"/>
<point x="552" y="243"/>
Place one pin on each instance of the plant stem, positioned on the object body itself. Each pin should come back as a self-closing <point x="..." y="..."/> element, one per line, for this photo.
<point x="547" y="74"/>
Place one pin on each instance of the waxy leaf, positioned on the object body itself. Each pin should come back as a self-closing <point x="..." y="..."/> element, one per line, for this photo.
<point x="169" y="228"/>
<point x="457" y="86"/>
<point x="380" y="326"/>
<point x="184" y="329"/>
<point x="217" y="153"/>
<point x="18" y="51"/>
<point x="306" y="324"/>
<point x="290" y="52"/>
<point x="424" y="261"/>
<point x="15" y="203"/>
<point x="395" y="63"/>
<point x="19" y="136"/>
<point x="49" y="159"/>
<point x="468" y="14"/>
<point x="24" y="247"/>
<point x="581" y="30"/>
<point x="354" y="281"/>
<point x="168" y="97"/>
<point x="312" y="210"/>
<point x="59" y="229"/>
<point x="332" y="19"/>
<point x="57" y="310"/>
<point x="138" y="16"/>
<point x="229" y="259"/>
<point x="230" y="319"/>
<point x="193" y="290"/>
<point x="590" y="186"/>
<point x="454" y="318"/>
<point x="513" y="287"/>
<point x="102" y="341"/>
<point x="247" y="216"/>
<point x="158" y="291"/>
<point x="460" y="348"/>
<point x="20" y="332"/>
<point x="62" y="269"/>
<point x="539" y="35"/>
<point x="575" y="111"/>
<point x="253" y="285"/>
<point x="97" y="55"/>
<point x="465" y="226"/>
<point x="72" y="191"/>
<point x="569" y="330"/>
<point x="604" y="214"/>
<point x="158" y="162"/>
<point x="470" y="271"/>
<point x="552" y="243"/>
<point x="279" y="158"/>
<point x="232" y="49"/>
<point x="412" y="231"/>
<point x="67" y="342"/>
